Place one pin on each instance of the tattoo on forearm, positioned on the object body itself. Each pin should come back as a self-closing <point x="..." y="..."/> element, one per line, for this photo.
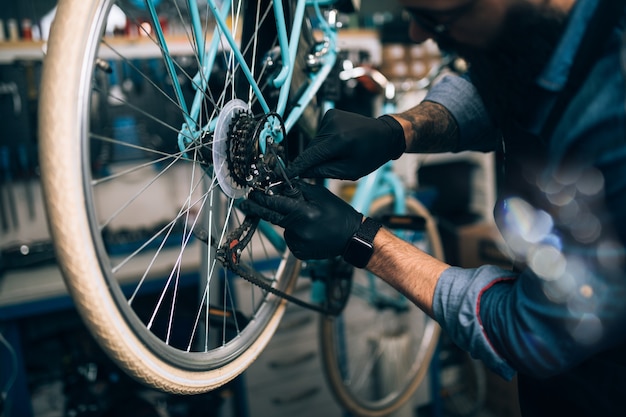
<point x="434" y="128"/>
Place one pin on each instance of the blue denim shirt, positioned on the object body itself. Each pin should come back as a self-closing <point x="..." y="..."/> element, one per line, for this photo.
<point x="568" y="303"/>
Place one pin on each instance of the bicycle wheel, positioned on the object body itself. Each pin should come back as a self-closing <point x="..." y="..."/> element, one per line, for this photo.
<point x="140" y="208"/>
<point x="377" y="352"/>
<point x="463" y="381"/>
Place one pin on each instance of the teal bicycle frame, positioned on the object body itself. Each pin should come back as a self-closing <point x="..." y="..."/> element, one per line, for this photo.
<point x="190" y="131"/>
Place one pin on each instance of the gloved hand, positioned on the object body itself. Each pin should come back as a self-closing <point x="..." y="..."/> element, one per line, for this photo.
<point x="349" y="146"/>
<point x="317" y="226"/>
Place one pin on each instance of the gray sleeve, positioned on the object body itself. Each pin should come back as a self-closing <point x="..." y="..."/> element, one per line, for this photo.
<point x="459" y="96"/>
<point x="456" y="306"/>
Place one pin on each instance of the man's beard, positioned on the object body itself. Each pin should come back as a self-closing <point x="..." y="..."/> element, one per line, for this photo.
<point x="505" y="72"/>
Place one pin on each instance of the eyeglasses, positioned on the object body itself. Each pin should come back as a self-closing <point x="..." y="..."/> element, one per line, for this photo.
<point x="438" y="22"/>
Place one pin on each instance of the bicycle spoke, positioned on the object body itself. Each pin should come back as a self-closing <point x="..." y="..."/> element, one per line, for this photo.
<point x="151" y="163"/>
<point x="140" y="111"/>
<point x="167" y="229"/>
<point x="147" y="78"/>
<point x="195" y="44"/>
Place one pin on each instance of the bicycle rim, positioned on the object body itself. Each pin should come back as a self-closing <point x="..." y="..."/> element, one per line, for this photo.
<point x="375" y="357"/>
<point x="135" y="207"/>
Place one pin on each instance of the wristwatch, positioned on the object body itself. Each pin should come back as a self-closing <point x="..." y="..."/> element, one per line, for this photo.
<point x="360" y="247"/>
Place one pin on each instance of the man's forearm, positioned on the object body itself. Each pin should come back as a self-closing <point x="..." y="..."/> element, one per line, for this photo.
<point x="429" y="128"/>
<point x="406" y="268"/>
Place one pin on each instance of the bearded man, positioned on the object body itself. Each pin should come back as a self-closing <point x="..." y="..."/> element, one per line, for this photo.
<point x="546" y="91"/>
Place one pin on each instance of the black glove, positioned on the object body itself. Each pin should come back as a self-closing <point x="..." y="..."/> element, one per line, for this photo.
<point x="349" y="146"/>
<point x="317" y="226"/>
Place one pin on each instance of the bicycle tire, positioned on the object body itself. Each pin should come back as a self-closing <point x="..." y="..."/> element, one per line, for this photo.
<point x="120" y="269"/>
<point x="409" y="347"/>
<point x="462" y="381"/>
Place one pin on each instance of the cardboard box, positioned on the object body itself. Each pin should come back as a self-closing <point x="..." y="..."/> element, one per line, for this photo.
<point x="412" y="61"/>
<point x="473" y="244"/>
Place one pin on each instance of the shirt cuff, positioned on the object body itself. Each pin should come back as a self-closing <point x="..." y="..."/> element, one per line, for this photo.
<point x="456" y="307"/>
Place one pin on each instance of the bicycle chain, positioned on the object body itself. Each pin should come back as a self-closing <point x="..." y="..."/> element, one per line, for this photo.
<point x="229" y="254"/>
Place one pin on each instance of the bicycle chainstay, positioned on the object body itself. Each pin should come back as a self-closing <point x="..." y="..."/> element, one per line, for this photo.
<point x="229" y="254"/>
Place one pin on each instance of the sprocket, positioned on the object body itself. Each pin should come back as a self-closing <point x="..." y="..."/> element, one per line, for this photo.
<point x="249" y="154"/>
<point x="242" y="150"/>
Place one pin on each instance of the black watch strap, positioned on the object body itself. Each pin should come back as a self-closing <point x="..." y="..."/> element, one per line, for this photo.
<point x="368" y="229"/>
<point x="360" y="248"/>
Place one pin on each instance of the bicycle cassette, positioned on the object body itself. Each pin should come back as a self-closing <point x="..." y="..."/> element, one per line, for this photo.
<point x="247" y="152"/>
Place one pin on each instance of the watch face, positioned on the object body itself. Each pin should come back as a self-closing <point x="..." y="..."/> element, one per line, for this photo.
<point x="358" y="252"/>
